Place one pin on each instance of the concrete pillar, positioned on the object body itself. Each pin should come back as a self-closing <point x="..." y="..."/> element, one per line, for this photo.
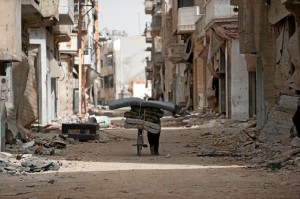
<point x="239" y="83"/>
<point x="2" y="127"/>
<point x="10" y="30"/>
<point x="38" y="36"/>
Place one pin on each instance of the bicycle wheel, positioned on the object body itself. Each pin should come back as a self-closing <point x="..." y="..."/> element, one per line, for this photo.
<point x="139" y="149"/>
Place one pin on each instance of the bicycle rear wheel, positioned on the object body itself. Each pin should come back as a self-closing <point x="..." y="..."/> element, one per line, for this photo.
<point x="139" y="149"/>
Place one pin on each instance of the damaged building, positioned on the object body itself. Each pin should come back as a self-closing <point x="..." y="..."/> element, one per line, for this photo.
<point x="236" y="58"/>
<point x="122" y="61"/>
<point x="38" y="55"/>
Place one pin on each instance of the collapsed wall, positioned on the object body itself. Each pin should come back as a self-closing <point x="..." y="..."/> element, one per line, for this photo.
<point x="277" y="127"/>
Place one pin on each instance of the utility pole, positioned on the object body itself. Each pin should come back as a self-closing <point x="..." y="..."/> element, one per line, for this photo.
<point x="97" y="55"/>
<point x="79" y="46"/>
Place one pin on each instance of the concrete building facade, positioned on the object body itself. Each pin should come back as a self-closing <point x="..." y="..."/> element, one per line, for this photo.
<point x="236" y="58"/>
<point x="38" y="70"/>
<point x="123" y="63"/>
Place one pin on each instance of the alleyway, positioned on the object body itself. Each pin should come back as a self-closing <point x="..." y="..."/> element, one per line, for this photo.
<point x="186" y="168"/>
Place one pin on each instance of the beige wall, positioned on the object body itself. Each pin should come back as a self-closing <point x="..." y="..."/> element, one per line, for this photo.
<point x="10" y="30"/>
<point x="65" y="88"/>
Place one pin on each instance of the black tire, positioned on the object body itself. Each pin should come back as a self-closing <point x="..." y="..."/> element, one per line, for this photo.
<point x="134" y="101"/>
<point x="120" y="103"/>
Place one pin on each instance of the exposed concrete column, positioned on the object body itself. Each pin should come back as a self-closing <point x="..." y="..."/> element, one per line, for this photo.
<point x="260" y="94"/>
<point x="239" y="83"/>
<point x="199" y="80"/>
<point x="38" y="36"/>
<point x="2" y="127"/>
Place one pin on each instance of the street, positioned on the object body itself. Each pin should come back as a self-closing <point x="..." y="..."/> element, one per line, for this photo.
<point x="110" y="168"/>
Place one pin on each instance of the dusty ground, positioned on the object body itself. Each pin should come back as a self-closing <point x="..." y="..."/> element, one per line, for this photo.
<point x="110" y="168"/>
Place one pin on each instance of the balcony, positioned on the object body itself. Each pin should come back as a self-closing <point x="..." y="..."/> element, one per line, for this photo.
<point x="158" y="58"/>
<point x="86" y="60"/>
<point x="83" y="24"/>
<point x="39" y="13"/>
<point x="149" y="75"/>
<point x="62" y="32"/>
<point x="148" y="36"/>
<point x="157" y="44"/>
<point x="69" y="47"/>
<point x="157" y="9"/>
<point x="149" y="63"/>
<point x="49" y="10"/>
<point x="187" y="16"/>
<point x="148" y="7"/>
<point x="30" y="7"/>
<point x="66" y="12"/>
<point x="156" y="25"/>
<point x="219" y="11"/>
<point x="107" y="70"/>
<point x="149" y="67"/>
<point x="175" y="52"/>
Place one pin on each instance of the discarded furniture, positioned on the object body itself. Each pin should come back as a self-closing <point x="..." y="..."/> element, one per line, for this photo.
<point x="81" y="132"/>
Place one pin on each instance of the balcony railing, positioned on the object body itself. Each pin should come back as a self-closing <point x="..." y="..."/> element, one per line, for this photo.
<point x="187" y="16"/>
<point x="30" y="7"/>
<point x="49" y="9"/>
<point x="158" y="58"/>
<point x="148" y="36"/>
<point x="148" y="69"/>
<point x="75" y="26"/>
<point x="148" y="7"/>
<point x="149" y="75"/>
<point x="69" y="47"/>
<point x="148" y="33"/>
<point x="62" y="32"/>
<point x="149" y="63"/>
<point x="175" y="52"/>
<point x="216" y="10"/>
<point x="157" y="9"/>
<point x="66" y="12"/>
<point x="156" y="24"/>
<point x="157" y="44"/>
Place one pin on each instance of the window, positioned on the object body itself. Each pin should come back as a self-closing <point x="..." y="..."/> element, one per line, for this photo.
<point x="185" y="3"/>
<point x="108" y="81"/>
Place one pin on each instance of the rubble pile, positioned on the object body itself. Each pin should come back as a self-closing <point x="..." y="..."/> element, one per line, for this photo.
<point x="144" y="118"/>
<point x="41" y="144"/>
<point x="25" y="163"/>
<point x="241" y="140"/>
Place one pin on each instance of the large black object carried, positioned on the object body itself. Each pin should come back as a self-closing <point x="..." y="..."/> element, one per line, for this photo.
<point x="134" y="101"/>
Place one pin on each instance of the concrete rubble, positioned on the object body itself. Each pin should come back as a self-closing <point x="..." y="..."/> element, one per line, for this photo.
<point x="221" y="137"/>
